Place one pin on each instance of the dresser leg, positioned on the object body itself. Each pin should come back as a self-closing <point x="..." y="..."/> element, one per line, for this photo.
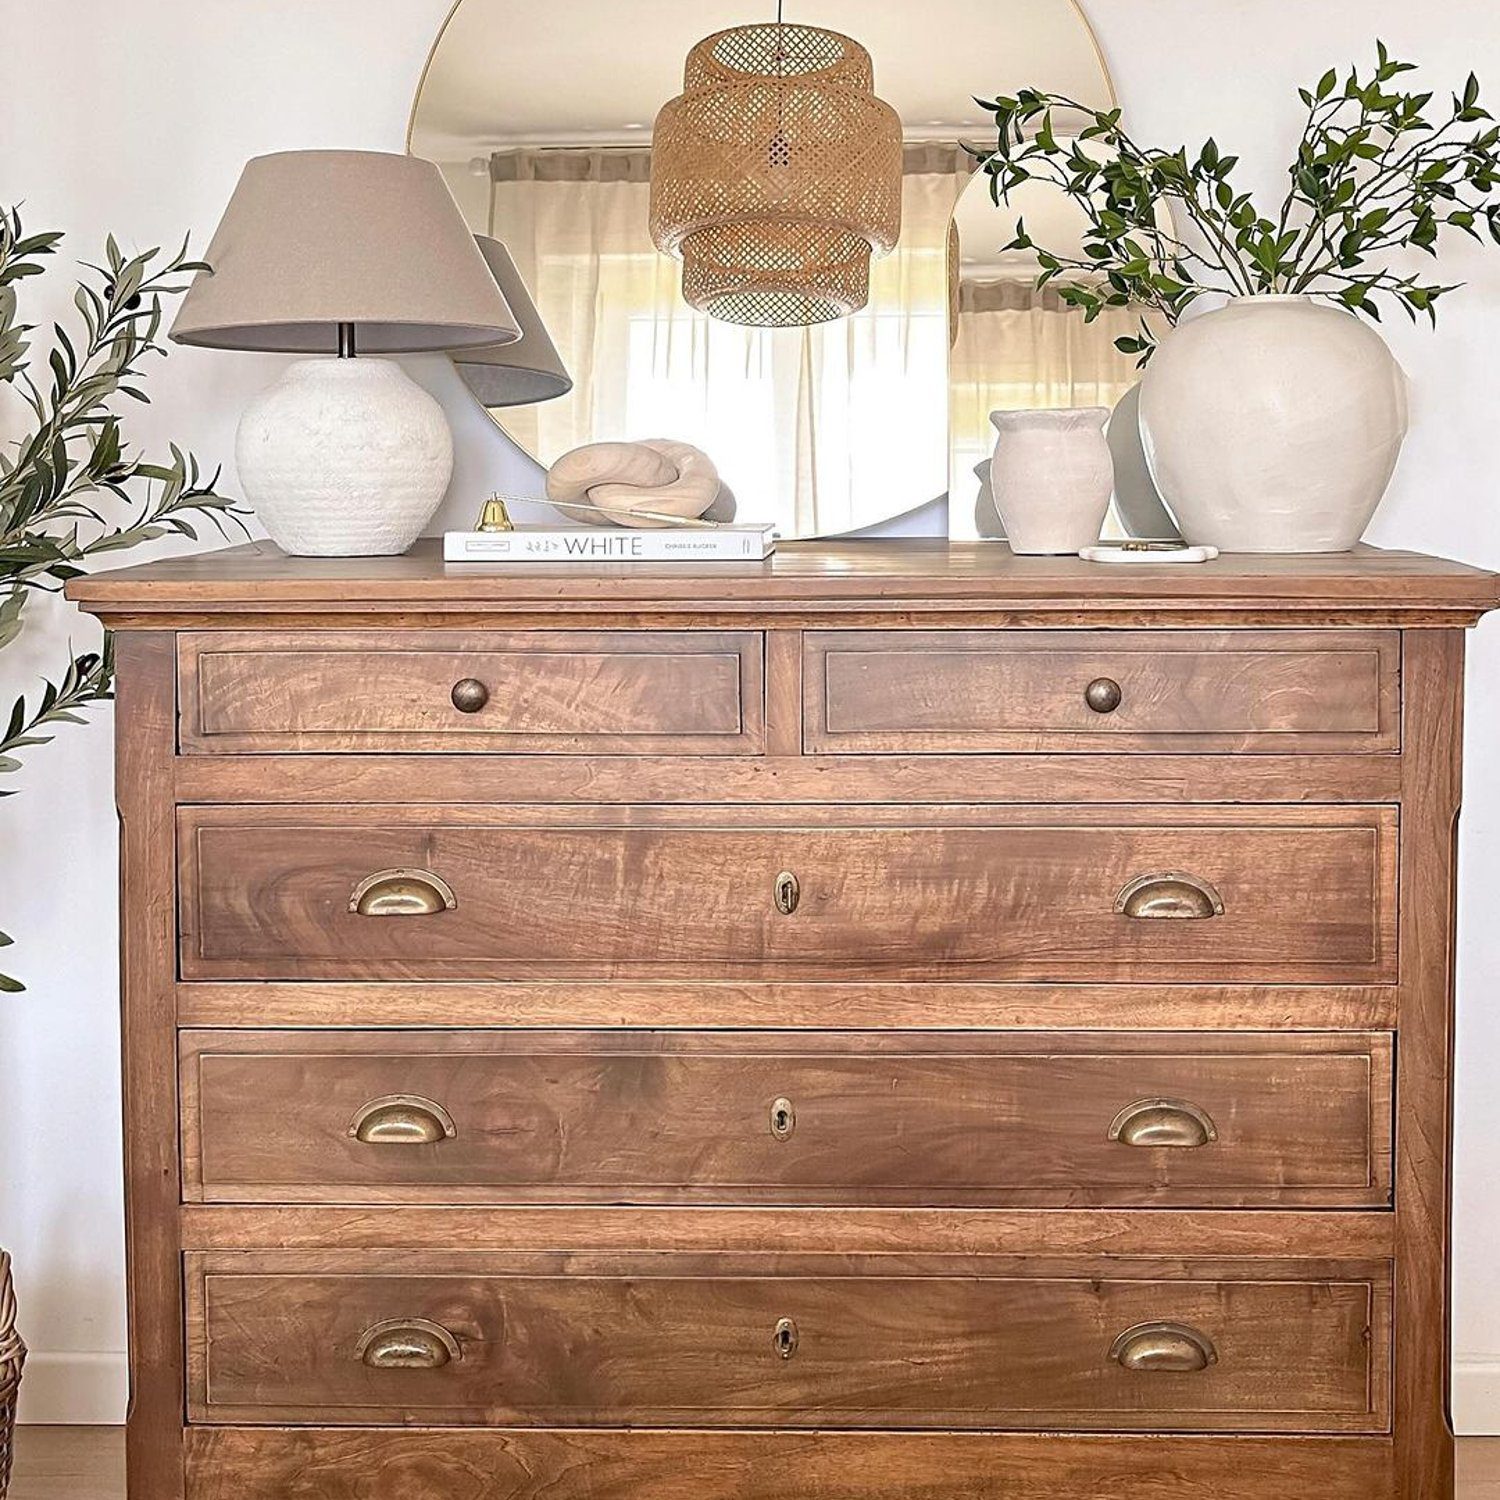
<point x="1433" y="677"/>
<point x="145" y="730"/>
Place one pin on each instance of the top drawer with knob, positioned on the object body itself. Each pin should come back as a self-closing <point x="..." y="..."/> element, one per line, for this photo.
<point x="978" y="691"/>
<point x="637" y="692"/>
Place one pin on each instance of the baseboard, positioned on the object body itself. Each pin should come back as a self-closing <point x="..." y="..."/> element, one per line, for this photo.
<point x="1476" y="1397"/>
<point x="84" y="1389"/>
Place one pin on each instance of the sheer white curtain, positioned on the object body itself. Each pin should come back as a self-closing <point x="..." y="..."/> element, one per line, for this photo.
<point x="823" y="429"/>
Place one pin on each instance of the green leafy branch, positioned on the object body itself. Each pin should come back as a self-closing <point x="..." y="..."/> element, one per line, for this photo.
<point x="72" y="489"/>
<point x="1377" y="171"/>
<point x="74" y="452"/>
<point x="89" y="679"/>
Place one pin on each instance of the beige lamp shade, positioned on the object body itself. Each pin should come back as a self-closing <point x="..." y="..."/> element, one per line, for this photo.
<point x="776" y="175"/>
<point x="315" y="239"/>
<point x="520" y="373"/>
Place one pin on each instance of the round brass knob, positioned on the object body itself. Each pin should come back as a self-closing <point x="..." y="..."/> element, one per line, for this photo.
<point x="1103" y="695"/>
<point x="470" y="695"/>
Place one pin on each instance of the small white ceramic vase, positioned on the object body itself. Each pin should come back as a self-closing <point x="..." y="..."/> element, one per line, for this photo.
<point x="1273" y="424"/>
<point x="1051" y="477"/>
<point x="344" y="458"/>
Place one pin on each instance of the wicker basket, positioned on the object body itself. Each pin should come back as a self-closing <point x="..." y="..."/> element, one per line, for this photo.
<point x="12" y="1357"/>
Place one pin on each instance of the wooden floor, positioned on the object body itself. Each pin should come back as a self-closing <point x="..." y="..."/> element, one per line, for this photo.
<point x="69" y="1463"/>
<point x="88" y="1463"/>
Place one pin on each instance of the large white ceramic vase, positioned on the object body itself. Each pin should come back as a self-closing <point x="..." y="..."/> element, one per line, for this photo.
<point x="344" y="458"/>
<point x="1274" y="424"/>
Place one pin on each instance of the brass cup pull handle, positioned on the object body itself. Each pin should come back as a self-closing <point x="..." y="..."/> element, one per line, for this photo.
<point x="1172" y="1124"/>
<point x="402" y="893"/>
<point x="1164" y="1349"/>
<point x="788" y="893"/>
<point x="1151" y="898"/>
<point x="785" y="1339"/>
<point x="1104" y="695"/>
<point x="469" y="695"/>
<point x="407" y="1344"/>
<point x="402" y="1120"/>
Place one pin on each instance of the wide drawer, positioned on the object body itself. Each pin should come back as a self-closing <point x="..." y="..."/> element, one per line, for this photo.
<point x="1275" y="894"/>
<point x="957" y="691"/>
<point x="1018" y="1119"/>
<point x="555" y="692"/>
<point x="711" y="1341"/>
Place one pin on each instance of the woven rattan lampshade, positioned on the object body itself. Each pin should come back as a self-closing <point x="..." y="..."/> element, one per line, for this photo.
<point x="776" y="175"/>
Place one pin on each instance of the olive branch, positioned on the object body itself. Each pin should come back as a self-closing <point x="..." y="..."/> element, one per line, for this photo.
<point x="71" y="488"/>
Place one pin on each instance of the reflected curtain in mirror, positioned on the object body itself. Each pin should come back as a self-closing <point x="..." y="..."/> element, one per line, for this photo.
<point x="802" y="421"/>
<point x="1017" y="348"/>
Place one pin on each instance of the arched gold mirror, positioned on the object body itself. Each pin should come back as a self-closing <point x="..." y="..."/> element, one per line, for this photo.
<point x="540" y="117"/>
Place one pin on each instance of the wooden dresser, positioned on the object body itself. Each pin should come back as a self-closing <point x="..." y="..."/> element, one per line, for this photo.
<point x="897" y="1023"/>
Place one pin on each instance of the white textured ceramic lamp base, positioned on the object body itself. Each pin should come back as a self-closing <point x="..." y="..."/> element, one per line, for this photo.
<point x="1274" y="425"/>
<point x="344" y="458"/>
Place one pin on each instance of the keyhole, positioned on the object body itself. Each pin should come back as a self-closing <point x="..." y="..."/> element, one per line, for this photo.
<point x="784" y="1340"/>
<point x="783" y="1119"/>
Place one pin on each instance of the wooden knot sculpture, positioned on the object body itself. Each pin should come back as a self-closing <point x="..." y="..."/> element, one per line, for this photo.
<point x="631" y="482"/>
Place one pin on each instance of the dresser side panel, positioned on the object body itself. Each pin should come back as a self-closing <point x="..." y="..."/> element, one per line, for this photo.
<point x="1433" y="707"/>
<point x="145" y="729"/>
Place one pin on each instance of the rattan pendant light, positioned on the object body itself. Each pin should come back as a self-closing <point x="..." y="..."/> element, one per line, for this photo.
<point x="776" y="175"/>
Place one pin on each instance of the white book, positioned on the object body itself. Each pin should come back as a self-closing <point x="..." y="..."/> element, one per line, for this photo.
<point x="611" y="544"/>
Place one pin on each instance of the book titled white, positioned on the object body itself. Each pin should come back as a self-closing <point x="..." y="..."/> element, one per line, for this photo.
<point x="611" y="544"/>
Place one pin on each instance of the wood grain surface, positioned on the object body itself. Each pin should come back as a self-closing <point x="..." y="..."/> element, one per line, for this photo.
<point x="787" y="777"/>
<point x="875" y="1004"/>
<point x="919" y="1118"/>
<point x="329" y="1464"/>
<point x="614" y="1010"/>
<point x="1434" y="666"/>
<point x="1024" y="894"/>
<point x="955" y="691"/>
<point x="1202" y="1233"/>
<point x="557" y="692"/>
<point x="144" y="734"/>
<point x="903" y="1342"/>
<point x="976" y="582"/>
<point x="87" y="1463"/>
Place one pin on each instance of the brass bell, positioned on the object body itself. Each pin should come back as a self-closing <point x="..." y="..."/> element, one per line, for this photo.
<point x="494" y="516"/>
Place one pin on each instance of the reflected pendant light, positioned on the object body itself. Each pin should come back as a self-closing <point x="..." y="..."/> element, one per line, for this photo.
<point x="776" y="176"/>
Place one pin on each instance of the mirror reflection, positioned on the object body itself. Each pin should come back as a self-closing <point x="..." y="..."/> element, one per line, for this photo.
<point x="1017" y="347"/>
<point x="544" y="135"/>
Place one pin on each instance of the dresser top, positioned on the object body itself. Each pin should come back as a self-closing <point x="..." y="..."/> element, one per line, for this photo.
<point x="929" y="578"/>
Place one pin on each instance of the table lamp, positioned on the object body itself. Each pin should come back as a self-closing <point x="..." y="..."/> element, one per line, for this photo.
<point x="519" y="372"/>
<point x="344" y="253"/>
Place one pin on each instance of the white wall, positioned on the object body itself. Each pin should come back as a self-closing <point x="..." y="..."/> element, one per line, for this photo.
<point x="135" y="115"/>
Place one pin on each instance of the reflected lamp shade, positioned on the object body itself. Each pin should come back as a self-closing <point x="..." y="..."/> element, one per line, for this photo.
<point x="776" y="176"/>
<point x="348" y="253"/>
<point x="520" y="373"/>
